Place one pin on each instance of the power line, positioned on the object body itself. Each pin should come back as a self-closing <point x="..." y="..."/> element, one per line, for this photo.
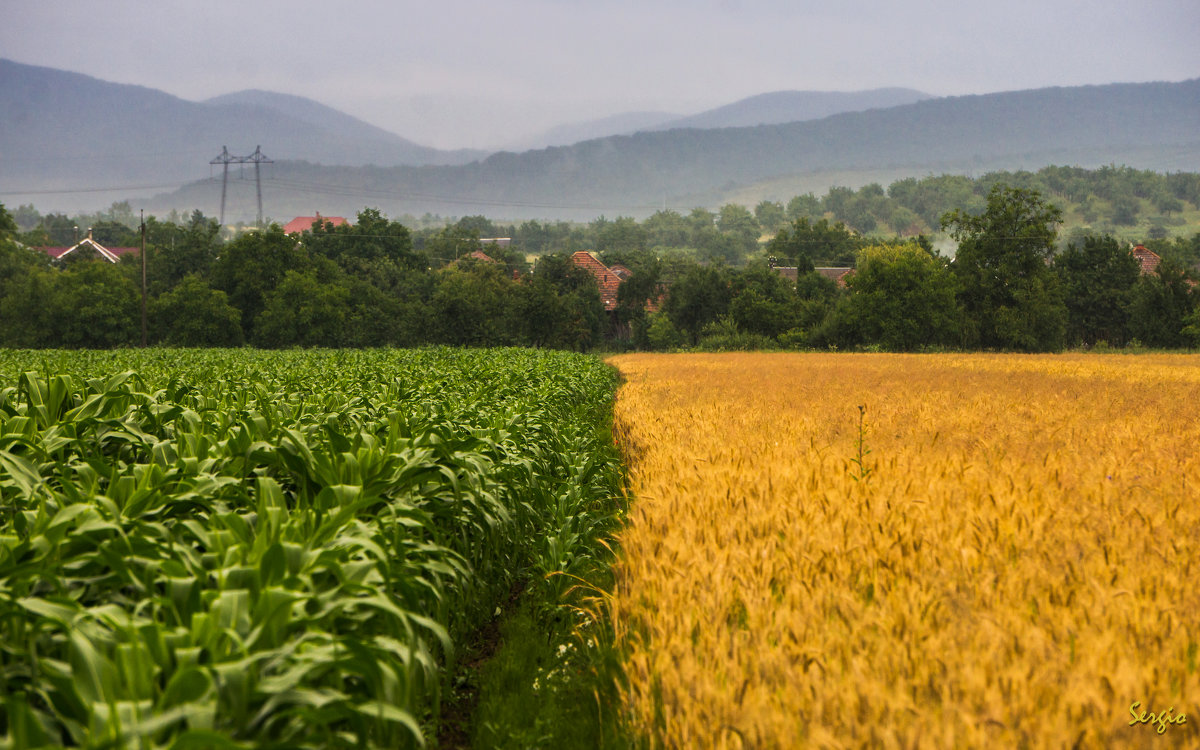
<point x="67" y="191"/>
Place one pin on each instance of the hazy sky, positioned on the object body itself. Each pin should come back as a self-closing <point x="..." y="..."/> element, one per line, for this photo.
<point x="481" y="73"/>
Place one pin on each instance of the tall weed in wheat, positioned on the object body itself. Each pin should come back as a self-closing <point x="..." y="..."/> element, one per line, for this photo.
<point x="994" y="551"/>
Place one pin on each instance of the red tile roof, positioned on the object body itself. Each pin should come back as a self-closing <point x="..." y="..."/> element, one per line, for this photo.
<point x="1147" y="258"/>
<point x="305" y="223"/>
<point x="110" y="254"/>
<point x="605" y="278"/>
<point x="481" y="255"/>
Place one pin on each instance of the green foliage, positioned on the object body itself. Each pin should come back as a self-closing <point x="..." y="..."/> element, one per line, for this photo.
<point x="476" y="304"/>
<point x="622" y="235"/>
<point x="902" y="298"/>
<point x="770" y="215"/>
<point x="725" y="335"/>
<point x="698" y="298"/>
<point x="561" y="306"/>
<point x="1097" y="278"/>
<point x="8" y="226"/>
<point x="763" y="303"/>
<point x="1010" y="296"/>
<point x="662" y="335"/>
<point x="250" y="267"/>
<point x="234" y="549"/>
<point x="194" y="314"/>
<point x="1161" y="306"/>
<point x="175" y="252"/>
<point x="371" y="240"/>
<point x="806" y="245"/>
<point x="302" y="311"/>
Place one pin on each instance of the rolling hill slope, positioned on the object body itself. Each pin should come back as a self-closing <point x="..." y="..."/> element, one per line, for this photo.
<point x="1147" y="125"/>
<point x="65" y="130"/>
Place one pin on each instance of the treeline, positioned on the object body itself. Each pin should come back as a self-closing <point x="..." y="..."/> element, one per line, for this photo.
<point x="1093" y="201"/>
<point x="704" y="279"/>
<point x="359" y="285"/>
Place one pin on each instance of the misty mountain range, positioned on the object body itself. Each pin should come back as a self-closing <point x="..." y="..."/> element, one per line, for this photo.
<point x="773" y="108"/>
<point x="67" y="131"/>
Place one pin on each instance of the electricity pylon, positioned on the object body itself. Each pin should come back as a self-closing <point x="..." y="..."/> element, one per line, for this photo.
<point x="225" y="158"/>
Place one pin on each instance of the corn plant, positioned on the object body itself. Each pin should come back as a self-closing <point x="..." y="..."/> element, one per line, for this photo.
<point x="253" y="549"/>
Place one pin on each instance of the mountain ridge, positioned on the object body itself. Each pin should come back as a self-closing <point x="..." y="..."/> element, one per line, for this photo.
<point x="60" y="130"/>
<point x="1150" y="126"/>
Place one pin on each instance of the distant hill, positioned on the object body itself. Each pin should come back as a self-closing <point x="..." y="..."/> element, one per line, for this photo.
<point x="1144" y="125"/>
<point x="64" y="130"/>
<point x="764" y="109"/>
<point x="349" y="135"/>
<point x="780" y="107"/>
<point x="586" y="130"/>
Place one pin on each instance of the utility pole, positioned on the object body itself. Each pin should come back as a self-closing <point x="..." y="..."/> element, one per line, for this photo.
<point x="225" y="159"/>
<point x="143" y="215"/>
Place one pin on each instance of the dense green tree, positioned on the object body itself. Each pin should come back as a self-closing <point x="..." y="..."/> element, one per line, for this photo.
<point x="902" y="298"/>
<point x="26" y="216"/>
<point x="701" y="220"/>
<point x="560" y="305"/>
<point x="763" y="302"/>
<point x="1183" y="250"/>
<point x="1010" y="296"/>
<point x="476" y="304"/>
<point x="643" y="287"/>
<point x="770" y="215"/>
<point x="661" y="333"/>
<point x="370" y="241"/>
<point x="1161" y="305"/>
<point x="194" y="314"/>
<point x="807" y="206"/>
<point x="623" y="234"/>
<point x="61" y="230"/>
<point x="8" y="226"/>
<point x="1097" y="277"/>
<point x="931" y="197"/>
<point x="174" y="252"/>
<point x="736" y="221"/>
<point x="303" y="310"/>
<point x="95" y="306"/>
<point x="114" y="234"/>
<point x="250" y="267"/>
<point x="1124" y="211"/>
<point x="480" y="226"/>
<point x="714" y="246"/>
<point x="805" y="245"/>
<point x="667" y="228"/>
<point x="29" y="317"/>
<point x="697" y="298"/>
<point x="1183" y="185"/>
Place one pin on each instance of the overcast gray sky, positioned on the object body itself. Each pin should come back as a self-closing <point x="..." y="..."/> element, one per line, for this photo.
<point x="479" y="73"/>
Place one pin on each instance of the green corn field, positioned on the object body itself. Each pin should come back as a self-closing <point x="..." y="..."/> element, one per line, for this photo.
<point x="208" y="549"/>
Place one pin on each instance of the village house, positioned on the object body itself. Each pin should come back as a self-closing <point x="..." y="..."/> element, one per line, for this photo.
<point x="302" y="224"/>
<point x="88" y="246"/>
<point x="837" y="275"/>
<point x="1147" y="259"/>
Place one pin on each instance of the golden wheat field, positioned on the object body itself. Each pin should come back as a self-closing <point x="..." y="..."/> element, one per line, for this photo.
<point x="996" y="551"/>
